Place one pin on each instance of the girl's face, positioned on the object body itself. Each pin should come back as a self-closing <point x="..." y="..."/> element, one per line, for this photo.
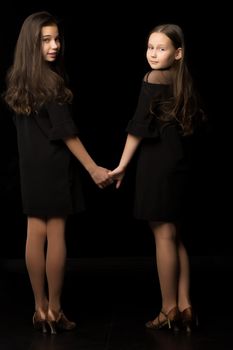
<point x="50" y="42"/>
<point x="161" y="53"/>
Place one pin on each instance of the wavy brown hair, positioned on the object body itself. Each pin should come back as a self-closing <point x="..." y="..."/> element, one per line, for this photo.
<point x="32" y="81"/>
<point x="183" y="106"/>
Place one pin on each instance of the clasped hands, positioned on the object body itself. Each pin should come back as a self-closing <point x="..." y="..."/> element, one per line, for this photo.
<point x="104" y="177"/>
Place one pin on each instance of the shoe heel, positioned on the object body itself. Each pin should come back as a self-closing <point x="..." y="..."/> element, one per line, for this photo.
<point x="53" y="326"/>
<point x="43" y="327"/>
<point x="174" y="325"/>
<point x="174" y="319"/>
<point x="40" y="326"/>
<point x="39" y="323"/>
<point x="189" y="320"/>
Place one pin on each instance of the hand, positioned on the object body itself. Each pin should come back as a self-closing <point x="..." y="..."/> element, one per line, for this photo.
<point x="101" y="177"/>
<point x="117" y="175"/>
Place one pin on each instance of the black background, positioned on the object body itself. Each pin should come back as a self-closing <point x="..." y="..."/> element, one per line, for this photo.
<point x="105" y="59"/>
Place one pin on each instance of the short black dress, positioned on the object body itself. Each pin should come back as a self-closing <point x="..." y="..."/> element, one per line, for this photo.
<point x="161" y="165"/>
<point x="49" y="185"/>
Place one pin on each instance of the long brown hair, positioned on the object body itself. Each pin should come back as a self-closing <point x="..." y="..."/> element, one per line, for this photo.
<point x="183" y="106"/>
<point x="31" y="81"/>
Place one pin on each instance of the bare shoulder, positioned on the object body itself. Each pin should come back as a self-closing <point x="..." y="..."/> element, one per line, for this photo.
<point x="158" y="77"/>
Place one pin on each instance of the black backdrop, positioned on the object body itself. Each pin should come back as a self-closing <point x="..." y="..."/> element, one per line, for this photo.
<point x="105" y="59"/>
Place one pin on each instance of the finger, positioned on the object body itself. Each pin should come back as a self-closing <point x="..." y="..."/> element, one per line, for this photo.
<point x="118" y="183"/>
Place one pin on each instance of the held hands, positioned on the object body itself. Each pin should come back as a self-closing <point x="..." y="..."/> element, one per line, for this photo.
<point x="117" y="175"/>
<point x="101" y="177"/>
<point x="104" y="177"/>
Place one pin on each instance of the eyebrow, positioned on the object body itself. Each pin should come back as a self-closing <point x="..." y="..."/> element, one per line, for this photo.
<point x="157" y="45"/>
<point x="50" y="35"/>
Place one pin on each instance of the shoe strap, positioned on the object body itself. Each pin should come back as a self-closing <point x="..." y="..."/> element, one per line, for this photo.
<point x="162" y="312"/>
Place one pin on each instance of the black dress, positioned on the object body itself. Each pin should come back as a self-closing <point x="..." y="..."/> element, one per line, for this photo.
<point x="161" y="165"/>
<point x="49" y="186"/>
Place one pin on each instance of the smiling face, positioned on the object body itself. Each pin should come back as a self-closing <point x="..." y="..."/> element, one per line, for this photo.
<point x="50" y="42"/>
<point x="161" y="52"/>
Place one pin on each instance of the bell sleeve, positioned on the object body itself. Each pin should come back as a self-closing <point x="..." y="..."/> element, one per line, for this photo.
<point x="143" y="123"/>
<point x="62" y="123"/>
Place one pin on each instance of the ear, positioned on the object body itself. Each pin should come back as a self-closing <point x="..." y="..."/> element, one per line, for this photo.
<point x="178" y="54"/>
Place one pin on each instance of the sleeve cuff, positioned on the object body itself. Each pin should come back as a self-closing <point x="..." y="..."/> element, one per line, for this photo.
<point x="63" y="130"/>
<point x="142" y="129"/>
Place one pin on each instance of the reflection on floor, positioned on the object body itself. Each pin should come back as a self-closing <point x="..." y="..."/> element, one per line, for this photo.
<point x="111" y="299"/>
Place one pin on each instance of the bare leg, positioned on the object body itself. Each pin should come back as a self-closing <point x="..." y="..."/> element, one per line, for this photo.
<point x="167" y="266"/>
<point x="167" y="262"/>
<point x="184" y="278"/>
<point x="187" y="315"/>
<point x="35" y="261"/>
<point x="55" y="260"/>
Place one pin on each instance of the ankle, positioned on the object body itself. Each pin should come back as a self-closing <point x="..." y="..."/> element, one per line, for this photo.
<point x="42" y="306"/>
<point x="184" y="307"/>
<point x="166" y="310"/>
<point x="40" y="313"/>
<point x="54" y="314"/>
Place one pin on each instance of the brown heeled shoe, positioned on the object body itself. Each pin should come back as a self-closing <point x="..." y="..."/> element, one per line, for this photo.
<point x="57" y="322"/>
<point x="39" y="322"/>
<point x="188" y="319"/>
<point x="170" y="320"/>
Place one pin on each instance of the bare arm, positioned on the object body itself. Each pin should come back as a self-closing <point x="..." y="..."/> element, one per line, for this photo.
<point x="131" y="144"/>
<point x="99" y="175"/>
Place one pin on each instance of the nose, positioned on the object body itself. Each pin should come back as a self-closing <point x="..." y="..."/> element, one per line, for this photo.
<point x="153" y="53"/>
<point x="54" y="44"/>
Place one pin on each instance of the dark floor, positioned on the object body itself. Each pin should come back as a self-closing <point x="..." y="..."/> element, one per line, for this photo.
<point x="111" y="298"/>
